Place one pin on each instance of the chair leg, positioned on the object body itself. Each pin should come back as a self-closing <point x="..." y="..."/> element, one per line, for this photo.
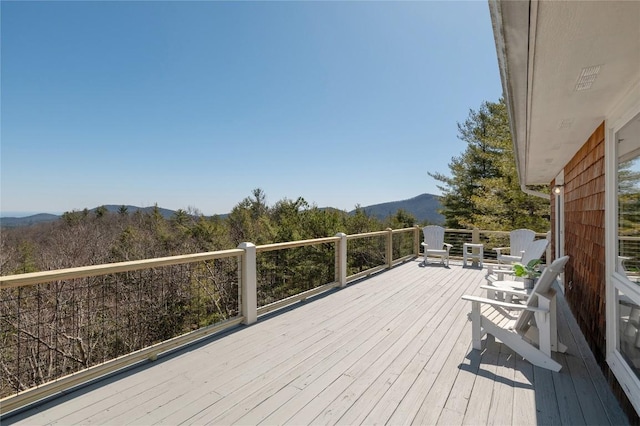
<point x="494" y="295"/>
<point x="548" y="301"/>
<point x="476" y="326"/>
<point x="543" y="322"/>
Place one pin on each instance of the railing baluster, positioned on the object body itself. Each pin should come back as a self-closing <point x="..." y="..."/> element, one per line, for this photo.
<point x="475" y="239"/>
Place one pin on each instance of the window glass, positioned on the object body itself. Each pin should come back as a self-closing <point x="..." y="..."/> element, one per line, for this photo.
<point x="629" y="201"/>
<point x="629" y="331"/>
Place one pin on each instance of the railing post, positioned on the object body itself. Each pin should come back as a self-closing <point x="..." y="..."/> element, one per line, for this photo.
<point x="475" y="239"/>
<point x="248" y="284"/>
<point x="389" y="248"/>
<point x="547" y="257"/>
<point x="416" y="241"/>
<point x="341" y="259"/>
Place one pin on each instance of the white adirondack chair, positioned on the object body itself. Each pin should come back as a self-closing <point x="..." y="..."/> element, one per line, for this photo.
<point x="502" y="279"/>
<point x="434" y="244"/>
<point x="519" y="239"/>
<point x="534" y="250"/>
<point x="529" y="329"/>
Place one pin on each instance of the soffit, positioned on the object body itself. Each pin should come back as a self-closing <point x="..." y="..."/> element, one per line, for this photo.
<point x="551" y="120"/>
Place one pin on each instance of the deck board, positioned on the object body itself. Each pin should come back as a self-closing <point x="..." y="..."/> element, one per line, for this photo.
<point x="546" y="399"/>
<point x="607" y="401"/>
<point x="524" y="396"/>
<point x="394" y="348"/>
<point x="501" y="411"/>
<point x="477" y="411"/>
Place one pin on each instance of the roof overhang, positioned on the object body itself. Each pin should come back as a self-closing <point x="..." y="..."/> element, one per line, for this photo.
<point x="564" y="66"/>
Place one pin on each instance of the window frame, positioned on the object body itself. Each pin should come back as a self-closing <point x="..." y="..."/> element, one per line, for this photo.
<point x="615" y="281"/>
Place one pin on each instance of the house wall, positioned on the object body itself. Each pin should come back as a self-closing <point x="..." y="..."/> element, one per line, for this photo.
<point x="584" y="185"/>
<point x="585" y="283"/>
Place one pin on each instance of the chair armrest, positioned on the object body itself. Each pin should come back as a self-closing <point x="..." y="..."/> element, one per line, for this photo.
<point x="511" y="258"/>
<point x="494" y="302"/>
<point x="448" y="246"/>
<point x="499" y="249"/>
<point x="505" y="290"/>
<point x="499" y="274"/>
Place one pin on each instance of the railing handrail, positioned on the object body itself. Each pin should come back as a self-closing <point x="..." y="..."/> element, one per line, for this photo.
<point x="398" y="231"/>
<point x="292" y="244"/>
<point x="488" y="232"/>
<point x="31" y="278"/>
<point x="19" y="280"/>
<point x="368" y="234"/>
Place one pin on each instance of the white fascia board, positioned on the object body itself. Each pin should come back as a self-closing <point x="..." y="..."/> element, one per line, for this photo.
<point x="510" y="21"/>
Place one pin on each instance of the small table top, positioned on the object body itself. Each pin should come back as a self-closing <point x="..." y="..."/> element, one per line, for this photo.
<point x="516" y="285"/>
<point x="473" y="245"/>
<point x="511" y="285"/>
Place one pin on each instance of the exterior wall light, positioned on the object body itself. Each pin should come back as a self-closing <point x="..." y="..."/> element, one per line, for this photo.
<point x="558" y="189"/>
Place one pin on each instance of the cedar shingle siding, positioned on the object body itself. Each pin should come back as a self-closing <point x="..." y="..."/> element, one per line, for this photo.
<point x="584" y="186"/>
<point x="584" y="240"/>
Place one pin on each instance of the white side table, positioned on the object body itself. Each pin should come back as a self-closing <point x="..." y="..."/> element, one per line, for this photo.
<point x="472" y="251"/>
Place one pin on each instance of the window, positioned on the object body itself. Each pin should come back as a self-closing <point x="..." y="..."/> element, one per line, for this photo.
<point x="629" y="331"/>
<point x="628" y="256"/>
<point x="623" y="253"/>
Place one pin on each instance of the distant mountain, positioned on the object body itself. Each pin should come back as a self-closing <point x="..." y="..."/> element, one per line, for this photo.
<point x="114" y="208"/>
<point x="423" y="207"/>
<point x="14" y="222"/>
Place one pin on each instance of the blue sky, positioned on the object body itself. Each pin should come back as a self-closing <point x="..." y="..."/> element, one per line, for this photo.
<point x="194" y="104"/>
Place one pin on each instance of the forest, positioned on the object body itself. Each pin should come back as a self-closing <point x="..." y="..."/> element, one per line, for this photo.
<point x="86" y="237"/>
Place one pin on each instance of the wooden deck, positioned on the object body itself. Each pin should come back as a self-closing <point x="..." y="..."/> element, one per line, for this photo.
<point x="391" y="349"/>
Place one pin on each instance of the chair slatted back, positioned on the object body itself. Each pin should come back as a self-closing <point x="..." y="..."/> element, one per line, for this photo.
<point x="433" y="237"/>
<point x="542" y="286"/>
<point x="519" y="240"/>
<point x="534" y="250"/>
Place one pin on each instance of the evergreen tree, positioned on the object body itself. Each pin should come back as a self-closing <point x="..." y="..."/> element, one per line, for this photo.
<point x="483" y="190"/>
<point x="249" y="220"/>
<point x="101" y="211"/>
<point x="287" y="216"/>
<point x="402" y="219"/>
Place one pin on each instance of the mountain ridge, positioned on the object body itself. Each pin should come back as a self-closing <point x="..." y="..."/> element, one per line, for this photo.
<point x="15" y="222"/>
<point x="423" y="207"/>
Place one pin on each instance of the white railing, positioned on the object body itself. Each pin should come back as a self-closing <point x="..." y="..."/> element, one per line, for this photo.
<point x="92" y="320"/>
